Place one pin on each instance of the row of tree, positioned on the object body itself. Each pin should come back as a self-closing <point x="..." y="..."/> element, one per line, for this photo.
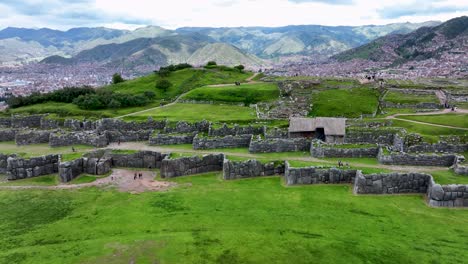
<point x="103" y="99"/>
<point x="66" y="95"/>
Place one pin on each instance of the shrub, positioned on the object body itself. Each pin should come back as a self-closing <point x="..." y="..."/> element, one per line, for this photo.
<point x="117" y="78"/>
<point x="163" y="85"/>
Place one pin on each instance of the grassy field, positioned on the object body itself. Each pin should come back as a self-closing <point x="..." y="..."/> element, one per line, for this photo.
<point x="457" y="120"/>
<point x="198" y="112"/>
<point x="403" y="98"/>
<point x="46" y="180"/>
<point x="344" y="102"/>
<point x="246" y="93"/>
<point x="448" y="177"/>
<point x="41" y="149"/>
<point x="206" y="220"/>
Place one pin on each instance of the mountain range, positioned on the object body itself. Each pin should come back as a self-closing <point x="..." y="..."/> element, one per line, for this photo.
<point x="158" y="46"/>
<point x="448" y="40"/>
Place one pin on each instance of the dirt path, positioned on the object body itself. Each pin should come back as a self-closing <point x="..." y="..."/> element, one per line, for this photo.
<point x="441" y="96"/>
<point x="249" y="80"/>
<point x="143" y="146"/>
<point x="121" y="179"/>
<point x="442" y="112"/>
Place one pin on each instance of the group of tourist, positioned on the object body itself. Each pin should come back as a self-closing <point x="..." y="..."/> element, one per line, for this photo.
<point x="139" y="176"/>
<point x="341" y="164"/>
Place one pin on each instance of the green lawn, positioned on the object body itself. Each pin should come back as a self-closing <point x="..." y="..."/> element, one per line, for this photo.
<point x="198" y="112"/>
<point x="46" y="180"/>
<point x="448" y="177"/>
<point x="41" y="149"/>
<point x="457" y="120"/>
<point x="207" y="220"/>
<point x="403" y="98"/>
<point x="246" y="93"/>
<point x="344" y="102"/>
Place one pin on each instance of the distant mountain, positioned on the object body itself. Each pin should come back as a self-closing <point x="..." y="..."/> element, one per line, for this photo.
<point x="224" y="54"/>
<point x="443" y="43"/>
<point x="308" y="40"/>
<point x="19" y="45"/>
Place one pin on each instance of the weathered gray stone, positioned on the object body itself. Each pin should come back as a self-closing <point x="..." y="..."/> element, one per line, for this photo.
<point x="250" y="168"/>
<point x="191" y="165"/>
<point x="221" y="142"/>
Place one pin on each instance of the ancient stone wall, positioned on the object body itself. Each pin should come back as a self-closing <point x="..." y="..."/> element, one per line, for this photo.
<point x="235" y="131"/>
<point x="26" y="121"/>
<point x="317" y="175"/>
<point x="78" y="138"/>
<point x="414" y="106"/>
<point x="7" y="134"/>
<point x="279" y="145"/>
<point x="184" y="127"/>
<point x="28" y="137"/>
<point x="5" y="122"/>
<point x="453" y="195"/>
<point x="71" y="169"/>
<point x="276" y="133"/>
<point x="438" y="147"/>
<point x="191" y="165"/>
<point x="117" y="124"/>
<point x="250" y="168"/>
<point x="4" y="162"/>
<point x="47" y="123"/>
<point x="461" y="168"/>
<point x="19" y="168"/>
<point x="389" y="183"/>
<point x="171" y="139"/>
<point x="370" y="135"/>
<point x="128" y="135"/>
<point x="328" y="151"/>
<point x="79" y="125"/>
<point x="239" y="141"/>
<point x="141" y="159"/>
<point x="442" y="160"/>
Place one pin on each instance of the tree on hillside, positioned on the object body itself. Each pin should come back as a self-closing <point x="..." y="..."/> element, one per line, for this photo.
<point x="164" y="72"/>
<point x="114" y="104"/>
<point x="211" y="63"/>
<point x="117" y="78"/>
<point x="163" y="85"/>
<point x="240" y="67"/>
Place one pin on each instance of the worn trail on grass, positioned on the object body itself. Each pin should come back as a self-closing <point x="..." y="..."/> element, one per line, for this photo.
<point x="248" y="80"/>
<point x="121" y="179"/>
<point x="443" y="112"/>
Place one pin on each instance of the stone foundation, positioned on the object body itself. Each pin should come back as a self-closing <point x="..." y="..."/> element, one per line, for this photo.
<point x="327" y="151"/>
<point x="441" y="160"/>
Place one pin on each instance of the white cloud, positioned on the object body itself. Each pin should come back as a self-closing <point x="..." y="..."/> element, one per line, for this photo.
<point x="225" y="13"/>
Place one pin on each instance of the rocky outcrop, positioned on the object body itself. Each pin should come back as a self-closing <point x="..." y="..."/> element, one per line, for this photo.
<point x="250" y="168"/>
<point x="191" y="165"/>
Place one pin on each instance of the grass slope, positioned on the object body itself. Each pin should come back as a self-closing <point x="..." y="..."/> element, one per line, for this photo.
<point x="206" y="220"/>
<point x="457" y="120"/>
<point x="251" y="93"/>
<point x="429" y="132"/>
<point x="402" y="98"/>
<point x="344" y="102"/>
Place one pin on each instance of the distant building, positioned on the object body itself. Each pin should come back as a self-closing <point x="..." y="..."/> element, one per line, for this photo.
<point x="327" y="129"/>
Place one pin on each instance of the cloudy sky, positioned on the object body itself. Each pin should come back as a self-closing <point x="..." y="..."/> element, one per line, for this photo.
<point x="129" y="14"/>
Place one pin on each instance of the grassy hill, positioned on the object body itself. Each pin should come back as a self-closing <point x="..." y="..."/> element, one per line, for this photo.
<point x="246" y="93"/>
<point x="224" y="54"/>
<point x="182" y="81"/>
